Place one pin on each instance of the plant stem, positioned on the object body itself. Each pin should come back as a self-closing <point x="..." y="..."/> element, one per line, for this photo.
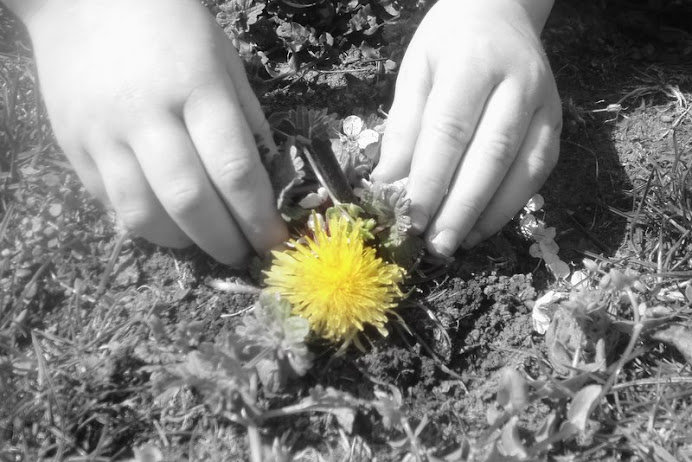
<point x="328" y="171"/>
<point x="111" y="264"/>
<point x="255" y="443"/>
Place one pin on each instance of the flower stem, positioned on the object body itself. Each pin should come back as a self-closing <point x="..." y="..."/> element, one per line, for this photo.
<point x="325" y="165"/>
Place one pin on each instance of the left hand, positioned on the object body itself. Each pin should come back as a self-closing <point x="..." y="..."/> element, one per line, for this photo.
<point x="475" y="122"/>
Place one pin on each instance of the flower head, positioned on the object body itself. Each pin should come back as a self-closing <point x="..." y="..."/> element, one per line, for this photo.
<point x="335" y="280"/>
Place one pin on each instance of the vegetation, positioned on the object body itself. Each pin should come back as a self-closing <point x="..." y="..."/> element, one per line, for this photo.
<point x="112" y="349"/>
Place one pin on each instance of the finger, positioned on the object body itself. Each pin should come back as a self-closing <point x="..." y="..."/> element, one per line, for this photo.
<point x="132" y="198"/>
<point x="254" y="115"/>
<point x="87" y="171"/>
<point x="227" y="149"/>
<point x="537" y="157"/>
<point x="451" y="115"/>
<point x="403" y="122"/>
<point x="172" y="167"/>
<point x="489" y="157"/>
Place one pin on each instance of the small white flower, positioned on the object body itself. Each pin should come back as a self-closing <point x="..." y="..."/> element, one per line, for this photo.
<point x="314" y="199"/>
<point x="353" y="129"/>
<point x="535" y="203"/>
<point x="543" y="310"/>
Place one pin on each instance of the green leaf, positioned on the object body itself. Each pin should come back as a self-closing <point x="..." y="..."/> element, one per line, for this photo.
<point x="338" y="403"/>
<point x="276" y="339"/>
<point x="510" y="443"/>
<point x="390" y="407"/>
<point x="582" y="405"/>
<point x="390" y="206"/>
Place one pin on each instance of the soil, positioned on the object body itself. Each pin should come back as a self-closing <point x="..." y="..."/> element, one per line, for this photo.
<point x="465" y="324"/>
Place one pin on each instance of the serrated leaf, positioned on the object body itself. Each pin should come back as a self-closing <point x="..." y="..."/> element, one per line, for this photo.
<point x="308" y="123"/>
<point x="390" y="407"/>
<point x="216" y="371"/>
<point x="405" y="253"/>
<point x="272" y="334"/>
<point x="389" y="204"/>
<point x="338" y="403"/>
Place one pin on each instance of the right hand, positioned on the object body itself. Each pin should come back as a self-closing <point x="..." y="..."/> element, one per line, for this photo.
<point x="151" y="104"/>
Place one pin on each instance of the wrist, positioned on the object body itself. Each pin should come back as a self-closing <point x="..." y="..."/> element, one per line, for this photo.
<point x="537" y="11"/>
<point x="533" y="13"/>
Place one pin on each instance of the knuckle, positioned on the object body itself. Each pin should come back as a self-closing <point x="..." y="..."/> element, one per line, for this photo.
<point x="239" y="172"/>
<point x="468" y="209"/>
<point x="182" y="197"/>
<point x="501" y="150"/>
<point x="452" y="130"/>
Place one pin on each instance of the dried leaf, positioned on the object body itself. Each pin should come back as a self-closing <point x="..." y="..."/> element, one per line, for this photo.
<point x="677" y="336"/>
<point x="543" y="310"/>
<point x="512" y="393"/>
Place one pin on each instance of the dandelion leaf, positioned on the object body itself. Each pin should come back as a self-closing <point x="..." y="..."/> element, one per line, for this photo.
<point x="307" y="123"/>
<point x="215" y="371"/>
<point x="390" y="206"/>
<point x="277" y="338"/>
<point x="338" y="403"/>
<point x="390" y="407"/>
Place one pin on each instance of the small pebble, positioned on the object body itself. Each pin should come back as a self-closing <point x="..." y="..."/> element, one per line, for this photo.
<point x="666" y="118"/>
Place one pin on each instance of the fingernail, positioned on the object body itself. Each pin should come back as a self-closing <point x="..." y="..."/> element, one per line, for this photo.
<point x="472" y="238"/>
<point x="419" y="220"/>
<point x="445" y="242"/>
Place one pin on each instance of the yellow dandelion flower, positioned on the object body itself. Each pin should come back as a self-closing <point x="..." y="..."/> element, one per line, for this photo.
<point x="336" y="281"/>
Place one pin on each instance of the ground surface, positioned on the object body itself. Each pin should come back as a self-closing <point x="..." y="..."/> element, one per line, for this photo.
<point x="76" y="335"/>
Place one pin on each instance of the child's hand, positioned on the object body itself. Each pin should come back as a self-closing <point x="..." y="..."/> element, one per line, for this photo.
<point x="150" y="102"/>
<point x="476" y="119"/>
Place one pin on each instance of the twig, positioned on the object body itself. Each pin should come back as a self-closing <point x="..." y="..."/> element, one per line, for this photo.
<point x="652" y="381"/>
<point x="231" y="286"/>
